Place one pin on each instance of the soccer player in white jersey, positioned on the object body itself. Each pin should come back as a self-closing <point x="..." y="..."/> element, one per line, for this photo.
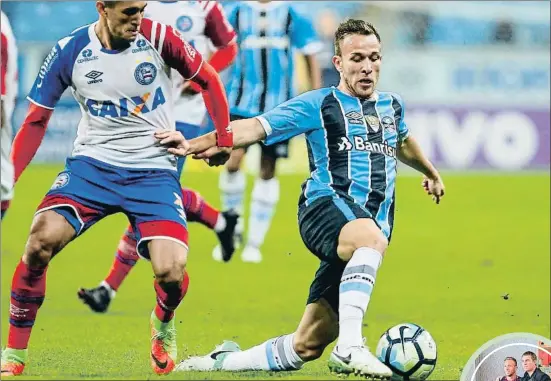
<point x="202" y="24"/>
<point x="117" y="69"/>
<point x="9" y="92"/>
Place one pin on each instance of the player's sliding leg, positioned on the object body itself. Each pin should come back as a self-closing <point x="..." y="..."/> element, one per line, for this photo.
<point x="263" y="202"/>
<point x="361" y="245"/>
<point x="99" y="298"/>
<point x="317" y="329"/>
<point x="223" y="223"/>
<point x="168" y="259"/>
<point x="232" y="183"/>
<point x="50" y="232"/>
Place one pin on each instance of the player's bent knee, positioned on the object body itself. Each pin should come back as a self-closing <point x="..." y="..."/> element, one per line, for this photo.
<point x="50" y="232"/>
<point x="362" y="232"/>
<point x="168" y="259"/>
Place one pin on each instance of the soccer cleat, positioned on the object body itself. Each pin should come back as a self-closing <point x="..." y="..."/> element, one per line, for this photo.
<point x="211" y="362"/>
<point x="226" y="236"/>
<point x="359" y="361"/>
<point x="13" y="361"/>
<point x="164" y="349"/>
<point x="251" y="254"/>
<point x="98" y="299"/>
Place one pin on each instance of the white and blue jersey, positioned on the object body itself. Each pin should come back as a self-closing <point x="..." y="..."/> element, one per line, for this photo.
<point x="268" y="35"/>
<point x="352" y="146"/>
<point x="204" y="25"/>
<point x="124" y="95"/>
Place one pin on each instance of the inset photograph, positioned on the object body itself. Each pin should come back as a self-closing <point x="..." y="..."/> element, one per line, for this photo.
<point x="511" y="357"/>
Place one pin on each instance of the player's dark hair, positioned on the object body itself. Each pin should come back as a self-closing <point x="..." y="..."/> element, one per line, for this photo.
<point x="512" y="359"/>
<point x="353" y="26"/>
<point x="109" y="4"/>
<point x="531" y="354"/>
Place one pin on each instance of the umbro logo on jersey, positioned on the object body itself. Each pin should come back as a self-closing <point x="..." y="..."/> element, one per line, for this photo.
<point x="354" y="117"/>
<point x="94" y="75"/>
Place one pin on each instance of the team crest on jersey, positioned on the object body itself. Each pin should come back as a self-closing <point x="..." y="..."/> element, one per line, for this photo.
<point x="388" y="123"/>
<point x="145" y="73"/>
<point x="61" y="181"/>
<point x="373" y="122"/>
<point x="184" y="23"/>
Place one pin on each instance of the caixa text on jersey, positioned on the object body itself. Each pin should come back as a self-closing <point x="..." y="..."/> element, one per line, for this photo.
<point x="139" y="104"/>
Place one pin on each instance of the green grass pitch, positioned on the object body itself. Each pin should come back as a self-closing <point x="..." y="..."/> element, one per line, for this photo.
<point x="446" y="270"/>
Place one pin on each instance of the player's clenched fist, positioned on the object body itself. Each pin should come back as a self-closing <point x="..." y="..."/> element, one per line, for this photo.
<point x="434" y="187"/>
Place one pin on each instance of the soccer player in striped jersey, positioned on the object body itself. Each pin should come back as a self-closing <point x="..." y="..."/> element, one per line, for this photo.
<point x="355" y="136"/>
<point x="269" y="34"/>
<point x="203" y="24"/>
<point x="9" y="92"/>
<point x="117" y="69"/>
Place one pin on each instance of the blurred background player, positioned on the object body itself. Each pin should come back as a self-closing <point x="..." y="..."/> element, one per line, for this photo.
<point x="269" y="34"/>
<point x="204" y="25"/>
<point x="9" y="93"/>
<point x="116" y="69"/>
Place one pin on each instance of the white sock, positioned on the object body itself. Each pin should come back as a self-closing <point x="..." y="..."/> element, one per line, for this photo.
<point x="232" y="189"/>
<point x="112" y="292"/>
<point x="264" y="199"/>
<point x="220" y="223"/>
<point x="275" y="354"/>
<point x="357" y="282"/>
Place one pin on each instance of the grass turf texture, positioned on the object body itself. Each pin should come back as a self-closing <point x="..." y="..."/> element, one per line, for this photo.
<point x="447" y="269"/>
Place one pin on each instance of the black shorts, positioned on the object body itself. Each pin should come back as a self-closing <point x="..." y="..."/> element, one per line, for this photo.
<point x="275" y="151"/>
<point x="320" y="224"/>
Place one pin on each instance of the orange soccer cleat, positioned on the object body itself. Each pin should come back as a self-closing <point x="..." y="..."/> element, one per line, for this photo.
<point x="13" y="362"/>
<point x="164" y="349"/>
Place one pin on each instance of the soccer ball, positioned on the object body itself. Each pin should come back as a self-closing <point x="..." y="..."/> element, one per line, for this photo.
<point x="409" y="351"/>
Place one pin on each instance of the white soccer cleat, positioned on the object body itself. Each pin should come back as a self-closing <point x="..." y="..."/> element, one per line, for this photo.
<point x="211" y="362"/>
<point x="251" y="255"/>
<point x="359" y="361"/>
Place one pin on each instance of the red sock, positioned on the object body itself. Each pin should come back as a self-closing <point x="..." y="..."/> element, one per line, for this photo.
<point x="198" y="210"/>
<point x="28" y="288"/>
<point x="169" y="298"/>
<point x="125" y="258"/>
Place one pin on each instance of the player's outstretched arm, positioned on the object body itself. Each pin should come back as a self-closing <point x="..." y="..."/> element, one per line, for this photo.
<point x="216" y="102"/>
<point x="29" y="137"/>
<point x="245" y="132"/>
<point x="411" y="154"/>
